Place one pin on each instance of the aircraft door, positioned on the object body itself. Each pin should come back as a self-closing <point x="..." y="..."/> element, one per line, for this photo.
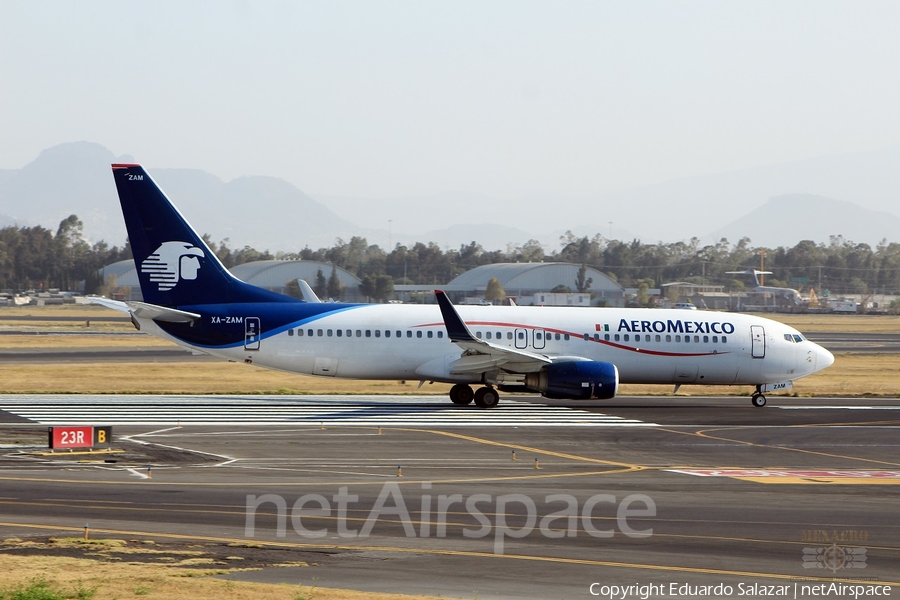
<point x="539" y="337"/>
<point x="758" y="341"/>
<point x="521" y="338"/>
<point x="251" y="333"/>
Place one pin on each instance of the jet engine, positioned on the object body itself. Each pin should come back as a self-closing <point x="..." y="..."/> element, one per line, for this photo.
<point x="575" y="380"/>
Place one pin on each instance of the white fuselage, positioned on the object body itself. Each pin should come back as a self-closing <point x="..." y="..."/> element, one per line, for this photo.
<point x="410" y="342"/>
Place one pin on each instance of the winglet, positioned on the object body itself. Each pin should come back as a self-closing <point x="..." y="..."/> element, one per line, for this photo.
<point x="456" y="327"/>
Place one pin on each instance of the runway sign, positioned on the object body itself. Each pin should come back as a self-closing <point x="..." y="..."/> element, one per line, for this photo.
<point x="79" y="437"/>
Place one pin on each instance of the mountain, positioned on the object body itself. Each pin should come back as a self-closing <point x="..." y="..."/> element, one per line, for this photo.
<point x="787" y="219"/>
<point x="75" y="178"/>
<point x="853" y="195"/>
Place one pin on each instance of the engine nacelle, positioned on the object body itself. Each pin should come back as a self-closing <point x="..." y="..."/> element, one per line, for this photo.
<point x="575" y="380"/>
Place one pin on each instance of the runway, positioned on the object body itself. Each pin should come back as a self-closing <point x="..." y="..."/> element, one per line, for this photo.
<point x="634" y="491"/>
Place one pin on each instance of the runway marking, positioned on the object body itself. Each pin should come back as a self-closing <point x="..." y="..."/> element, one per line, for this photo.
<point x="440" y="552"/>
<point x="305" y="411"/>
<point x="705" y="435"/>
<point x="799" y="476"/>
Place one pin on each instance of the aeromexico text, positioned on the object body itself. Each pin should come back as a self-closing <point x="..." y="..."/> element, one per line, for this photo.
<point x="679" y="326"/>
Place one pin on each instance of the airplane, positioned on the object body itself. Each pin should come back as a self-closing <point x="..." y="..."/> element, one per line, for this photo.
<point x="573" y="353"/>
<point x="783" y="296"/>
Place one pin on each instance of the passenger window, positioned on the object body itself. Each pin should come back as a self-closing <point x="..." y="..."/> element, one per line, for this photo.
<point x="627" y="337"/>
<point x="398" y="333"/>
<point x="705" y="339"/>
<point x="521" y="335"/>
<point x="587" y="337"/>
<point x="606" y="336"/>
<point x="409" y="333"/>
<point x="668" y="338"/>
<point x="557" y="337"/>
<point x="290" y="332"/>
<point x="478" y="334"/>
<point x="340" y="332"/>
<point x="350" y="333"/>
<point x="509" y="335"/>
<point x="378" y="333"/>
<point x="724" y="339"/>
<point x="677" y="338"/>
<point x="696" y="339"/>
<point x="658" y="339"/>
<point x="499" y="335"/>
<point x="368" y="333"/>
<point x="715" y="339"/>
<point x="419" y="333"/>
<point x="565" y="337"/>
<point x="488" y="335"/>
<point x="440" y="334"/>
<point x="319" y="332"/>
<point x="329" y="333"/>
<point x="300" y="332"/>
<point x="538" y="336"/>
<point x="430" y="334"/>
<point x="309" y="332"/>
<point x="387" y="333"/>
<point x="617" y="337"/>
<point x="358" y="333"/>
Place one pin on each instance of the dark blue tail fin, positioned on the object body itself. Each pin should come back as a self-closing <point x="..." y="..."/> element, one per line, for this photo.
<point x="174" y="265"/>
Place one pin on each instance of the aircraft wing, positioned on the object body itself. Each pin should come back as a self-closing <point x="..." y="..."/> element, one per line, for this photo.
<point x="479" y="355"/>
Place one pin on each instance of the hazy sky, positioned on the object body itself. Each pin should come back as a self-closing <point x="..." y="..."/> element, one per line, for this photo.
<point x="510" y="98"/>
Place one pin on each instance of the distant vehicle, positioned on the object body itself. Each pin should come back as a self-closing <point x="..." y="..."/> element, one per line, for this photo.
<point x="191" y="299"/>
<point x="685" y="306"/>
<point x="842" y="306"/>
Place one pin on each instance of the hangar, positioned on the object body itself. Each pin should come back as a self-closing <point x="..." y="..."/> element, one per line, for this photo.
<point x="524" y="280"/>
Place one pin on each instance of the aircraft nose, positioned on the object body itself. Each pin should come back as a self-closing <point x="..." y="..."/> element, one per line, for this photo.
<point x="824" y="358"/>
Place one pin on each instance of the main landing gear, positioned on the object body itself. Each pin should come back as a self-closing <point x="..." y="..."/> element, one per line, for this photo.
<point x="757" y="398"/>
<point x="484" y="397"/>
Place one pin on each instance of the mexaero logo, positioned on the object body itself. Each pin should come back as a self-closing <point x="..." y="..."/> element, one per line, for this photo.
<point x="172" y="262"/>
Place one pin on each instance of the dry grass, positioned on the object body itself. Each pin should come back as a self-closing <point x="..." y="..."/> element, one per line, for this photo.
<point x="73" y="342"/>
<point x="127" y="580"/>
<point x="184" y="378"/>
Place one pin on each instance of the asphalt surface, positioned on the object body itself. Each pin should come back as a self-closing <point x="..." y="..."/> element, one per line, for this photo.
<point x="639" y="491"/>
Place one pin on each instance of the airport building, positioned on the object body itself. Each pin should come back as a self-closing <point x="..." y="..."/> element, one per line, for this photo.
<point x="527" y="284"/>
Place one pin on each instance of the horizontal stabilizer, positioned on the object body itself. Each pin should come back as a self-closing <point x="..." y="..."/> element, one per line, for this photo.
<point x="142" y="310"/>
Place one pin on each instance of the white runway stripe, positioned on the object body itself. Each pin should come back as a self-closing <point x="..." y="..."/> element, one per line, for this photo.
<point x="372" y="411"/>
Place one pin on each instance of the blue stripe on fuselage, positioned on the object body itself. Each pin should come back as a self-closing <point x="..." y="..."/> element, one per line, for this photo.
<point x="221" y="326"/>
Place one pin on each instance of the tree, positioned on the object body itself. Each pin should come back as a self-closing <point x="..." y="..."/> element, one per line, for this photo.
<point x="321" y="286"/>
<point x="292" y="288"/>
<point x="335" y="288"/>
<point x="494" y="291"/>
<point x="581" y="284"/>
<point x="377" y="287"/>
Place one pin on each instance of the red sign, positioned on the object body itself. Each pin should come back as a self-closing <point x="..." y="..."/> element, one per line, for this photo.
<point x="71" y="437"/>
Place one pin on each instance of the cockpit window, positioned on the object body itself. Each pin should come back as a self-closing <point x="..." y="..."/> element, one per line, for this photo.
<point x="788" y="337"/>
<point x="798" y="338"/>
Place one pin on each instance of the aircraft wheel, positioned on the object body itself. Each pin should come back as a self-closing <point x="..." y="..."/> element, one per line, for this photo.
<point x="461" y="394"/>
<point x="487" y="397"/>
<point x="758" y="400"/>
